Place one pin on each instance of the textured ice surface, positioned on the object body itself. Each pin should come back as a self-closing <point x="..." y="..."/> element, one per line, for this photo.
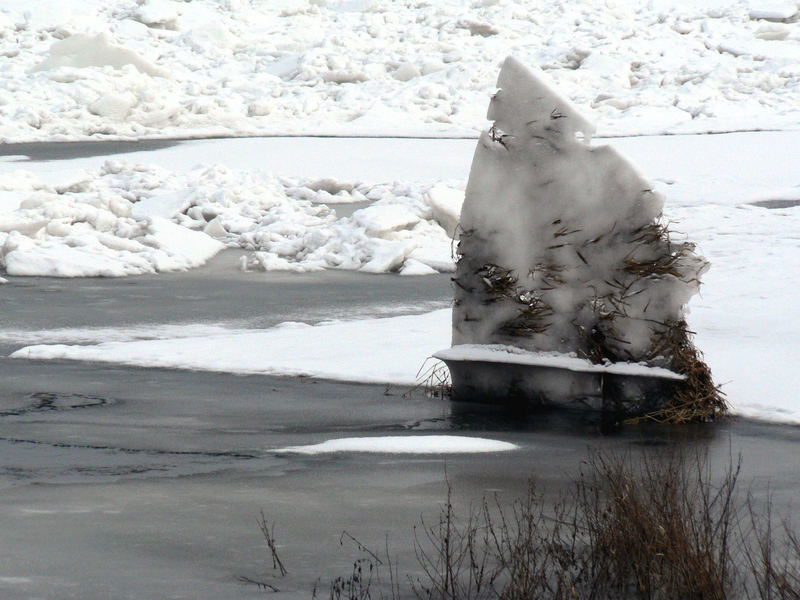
<point x="157" y="68"/>
<point x="128" y="219"/>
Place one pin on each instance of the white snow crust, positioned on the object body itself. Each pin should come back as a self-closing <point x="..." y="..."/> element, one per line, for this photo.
<point x="160" y="68"/>
<point x="420" y="444"/>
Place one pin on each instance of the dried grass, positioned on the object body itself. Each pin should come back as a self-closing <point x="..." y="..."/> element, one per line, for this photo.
<point x="697" y="399"/>
<point x="655" y="526"/>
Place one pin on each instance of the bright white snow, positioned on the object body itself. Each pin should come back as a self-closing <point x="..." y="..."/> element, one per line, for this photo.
<point x="131" y="68"/>
<point x="388" y="350"/>
<point x="420" y="444"/>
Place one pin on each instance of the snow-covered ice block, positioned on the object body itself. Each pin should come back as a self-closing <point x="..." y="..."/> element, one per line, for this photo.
<point x="162" y="14"/>
<point x="187" y="248"/>
<point x="528" y="101"/>
<point x="774" y="10"/>
<point x="386" y="256"/>
<point x="414" y="267"/>
<point x="380" y="219"/>
<point x="165" y="205"/>
<point x="81" y="50"/>
<point x="113" y="106"/>
<point x="561" y="249"/>
<point x="446" y="203"/>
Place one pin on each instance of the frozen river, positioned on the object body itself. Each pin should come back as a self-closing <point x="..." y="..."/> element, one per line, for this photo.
<point x="120" y="482"/>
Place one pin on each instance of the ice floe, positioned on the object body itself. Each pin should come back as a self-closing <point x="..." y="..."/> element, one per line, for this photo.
<point x="386" y="351"/>
<point x="393" y="444"/>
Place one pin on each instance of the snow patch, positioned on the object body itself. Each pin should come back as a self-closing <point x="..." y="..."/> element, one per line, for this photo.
<point x="428" y="444"/>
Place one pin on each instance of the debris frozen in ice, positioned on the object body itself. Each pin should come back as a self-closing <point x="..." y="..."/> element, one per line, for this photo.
<point x="561" y="246"/>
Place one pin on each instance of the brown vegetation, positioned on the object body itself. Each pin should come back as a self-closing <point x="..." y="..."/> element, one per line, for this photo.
<point x="656" y="528"/>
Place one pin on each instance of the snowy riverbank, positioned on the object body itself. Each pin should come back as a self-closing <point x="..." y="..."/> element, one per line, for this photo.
<point x="161" y="68"/>
<point x="735" y="195"/>
<point x="370" y="205"/>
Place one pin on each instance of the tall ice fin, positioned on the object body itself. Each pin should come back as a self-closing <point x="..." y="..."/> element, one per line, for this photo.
<point x="561" y="247"/>
<point x="528" y="100"/>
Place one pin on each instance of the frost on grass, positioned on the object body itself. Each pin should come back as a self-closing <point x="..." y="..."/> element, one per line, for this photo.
<point x="562" y="249"/>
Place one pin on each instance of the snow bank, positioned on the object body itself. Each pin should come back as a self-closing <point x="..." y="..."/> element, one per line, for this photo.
<point x="128" y="219"/>
<point x="427" y="444"/>
<point x="163" y="68"/>
<point x="389" y="350"/>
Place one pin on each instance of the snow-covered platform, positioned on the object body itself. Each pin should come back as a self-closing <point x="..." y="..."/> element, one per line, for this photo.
<point x="496" y="373"/>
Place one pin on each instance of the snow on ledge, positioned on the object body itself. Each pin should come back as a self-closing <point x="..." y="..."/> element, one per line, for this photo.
<point x="429" y="444"/>
<point x="497" y="353"/>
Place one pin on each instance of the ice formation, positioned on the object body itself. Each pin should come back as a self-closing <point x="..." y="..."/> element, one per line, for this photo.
<point x="129" y="219"/>
<point x="371" y="67"/>
<point x="561" y="245"/>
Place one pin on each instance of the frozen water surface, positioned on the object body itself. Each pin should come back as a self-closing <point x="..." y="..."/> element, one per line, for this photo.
<point x="127" y="482"/>
<point x="122" y="482"/>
